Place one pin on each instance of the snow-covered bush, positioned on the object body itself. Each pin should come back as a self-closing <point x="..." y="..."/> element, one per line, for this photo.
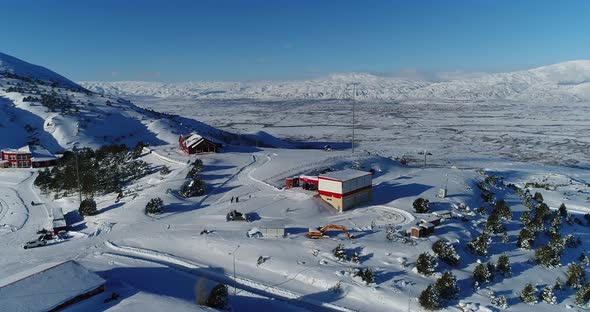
<point x="218" y="297"/>
<point x="505" y="238"/>
<point x="421" y="205"/>
<point x="154" y="206"/>
<point x="426" y="263"/>
<point x="500" y="302"/>
<point x="340" y="253"/>
<point x="87" y="207"/>
<point x="445" y="252"/>
<point x="576" y="276"/>
<point x="429" y="298"/>
<point x="503" y="266"/>
<point x="446" y="286"/>
<point x="547" y="295"/>
<point x="164" y="170"/>
<point x="480" y="244"/>
<point x="366" y="275"/>
<point x="583" y="295"/>
<point x="558" y="284"/>
<point x="528" y="295"/>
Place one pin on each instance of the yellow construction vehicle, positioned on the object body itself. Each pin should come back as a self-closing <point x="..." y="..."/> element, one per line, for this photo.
<point x="321" y="231"/>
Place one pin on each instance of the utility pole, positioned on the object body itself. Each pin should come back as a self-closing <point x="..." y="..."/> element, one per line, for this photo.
<point x="353" y="104"/>
<point x="424" y="158"/>
<point x="78" y="175"/>
<point x="235" y="284"/>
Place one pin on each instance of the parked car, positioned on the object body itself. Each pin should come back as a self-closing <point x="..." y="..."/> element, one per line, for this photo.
<point x="36" y="243"/>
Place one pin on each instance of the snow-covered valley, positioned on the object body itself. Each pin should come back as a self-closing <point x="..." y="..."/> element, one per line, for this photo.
<point x="500" y="143"/>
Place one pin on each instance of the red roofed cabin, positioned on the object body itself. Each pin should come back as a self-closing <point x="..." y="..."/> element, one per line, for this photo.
<point x="196" y="144"/>
<point x="346" y="188"/>
<point x="27" y="157"/>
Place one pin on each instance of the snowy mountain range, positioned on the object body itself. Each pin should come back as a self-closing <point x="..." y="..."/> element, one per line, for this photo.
<point x="562" y="82"/>
<point x="39" y="106"/>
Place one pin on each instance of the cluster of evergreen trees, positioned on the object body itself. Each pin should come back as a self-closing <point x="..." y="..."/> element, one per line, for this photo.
<point x="102" y="171"/>
<point x="436" y="295"/>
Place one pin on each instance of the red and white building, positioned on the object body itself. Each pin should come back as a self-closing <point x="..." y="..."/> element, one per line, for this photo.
<point x="27" y="157"/>
<point x="196" y="144"/>
<point x="346" y="188"/>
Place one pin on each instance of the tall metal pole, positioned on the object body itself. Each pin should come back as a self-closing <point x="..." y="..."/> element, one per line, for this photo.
<point x="353" y="104"/>
<point x="235" y="284"/>
<point x="78" y="175"/>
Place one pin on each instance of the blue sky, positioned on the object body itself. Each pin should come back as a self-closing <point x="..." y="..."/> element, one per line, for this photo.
<point x="275" y="39"/>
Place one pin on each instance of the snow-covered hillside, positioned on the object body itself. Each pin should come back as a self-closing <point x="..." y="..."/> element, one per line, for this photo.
<point x="40" y="106"/>
<point x="562" y="82"/>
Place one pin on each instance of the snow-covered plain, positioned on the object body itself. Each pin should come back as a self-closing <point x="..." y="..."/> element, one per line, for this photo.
<point x="164" y="262"/>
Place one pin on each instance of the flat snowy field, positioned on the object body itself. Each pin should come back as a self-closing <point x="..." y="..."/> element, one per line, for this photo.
<point x="453" y="131"/>
<point x="165" y="263"/>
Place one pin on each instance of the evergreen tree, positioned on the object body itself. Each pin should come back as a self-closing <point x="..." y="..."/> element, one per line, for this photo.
<point x="421" y="205"/>
<point x="138" y="149"/>
<point x="445" y="252"/>
<point x="583" y="295"/>
<point x="481" y="275"/>
<point x="562" y="210"/>
<point x="576" y="276"/>
<point x="505" y="238"/>
<point x="196" y="167"/>
<point x="164" y="171"/>
<point x="218" y="297"/>
<point x="525" y="217"/>
<point x="446" y="286"/>
<point x="429" y="298"/>
<point x="526" y="238"/>
<point x="543" y="211"/>
<point x="547" y="295"/>
<point x="494" y="224"/>
<point x="538" y="197"/>
<point x="426" y="263"/>
<point x="500" y="302"/>
<point x="340" y="253"/>
<point x="547" y="256"/>
<point x="366" y="275"/>
<point x="528" y="295"/>
<point x="503" y="266"/>
<point x="584" y="259"/>
<point x="480" y="244"/>
<point x="154" y="206"/>
<point x="193" y="187"/>
<point x="87" y="207"/>
<point x="502" y="210"/>
<point x="528" y="200"/>
<point x="355" y="258"/>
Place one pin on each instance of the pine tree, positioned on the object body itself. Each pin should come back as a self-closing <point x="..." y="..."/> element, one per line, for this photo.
<point x="355" y="258"/>
<point x="445" y="252"/>
<point x="503" y="266"/>
<point x="154" y="206"/>
<point x="481" y="275"/>
<point x="218" y="297"/>
<point x="528" y="295"/>
<point x="421" y="205"/>
<point x="538" y="197"/>
<point x="194" y="187"/>
<point x="505" y="238"/>
<point x="547" y="256"/>
<point x="429" y="298"/>
<point x="562" y="210"/>
<point x="494" y="224"/>
<point x="340" y="253"/>
<point x="526" y="238"/>
<point x="576" y="276"/>
<point x="426" y="263"/>
<point x="500" y="302"/>
<point x="525" y="217"/>
<point x="583" y="295"/>
<point x="366" y="275"/>
<point x="528" y="200"/>
<point x="547" y="295"/>
<point x="446" y="286"/>
<point x="196" y="167"/>
<point x="87" y="207"/>
<point x="502" y="210"/>
<point x="480" y="244"/>
<point x="584" y="259"/>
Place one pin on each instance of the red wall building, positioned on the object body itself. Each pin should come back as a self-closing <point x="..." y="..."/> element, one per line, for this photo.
<point x="27" y="157"/>
<point x="196" y="144"/>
